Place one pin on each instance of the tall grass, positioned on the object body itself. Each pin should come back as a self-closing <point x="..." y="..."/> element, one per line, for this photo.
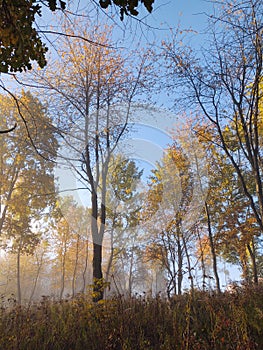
<point x="192" y="321"/>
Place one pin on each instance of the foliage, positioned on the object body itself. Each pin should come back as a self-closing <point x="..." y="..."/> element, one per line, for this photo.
<point x="20" y="42"/>
<point x="19" y="39"/>
<point x="170" y="195"/>
<point x="227" y="89"/>
<point x="27" y="180"/>
<point x="191" y="321"/>
<point x="123" y="178"/>
<point x="26" y="173"/>
<point x="123" y="204"/>
<point x="224" y="82"/>
<point x="234" y="226"/>
<point x="123" y="200"/>
<point x="92" y="92"/>
<point x="128" y="7"/>
<point x="70" y="235"/>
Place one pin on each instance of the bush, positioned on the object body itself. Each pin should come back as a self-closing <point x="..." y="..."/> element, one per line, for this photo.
<point x="192" y="321"/>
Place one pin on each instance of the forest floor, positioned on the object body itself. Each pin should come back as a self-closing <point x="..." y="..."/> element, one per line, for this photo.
<point x="192" y="321"/>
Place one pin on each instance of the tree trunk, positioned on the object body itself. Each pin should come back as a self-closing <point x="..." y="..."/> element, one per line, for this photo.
<point x="130" y="279"/>
<point x="180" y="266"/>
<point x="19" y="298"/>
<point x="110" y="258"/>
<point x="244" y="266"/>
<point x="39" y="263"/>
<point x="97" y="272"/>
<point x="188" y="264"/>
<point x="212" y="248"/>
<point x="63" y="267"/>
<point x="252" y="253"/>
<point x="75" y="268"/>
<point x="202" y="260"/>
<point x="84" y="273"/>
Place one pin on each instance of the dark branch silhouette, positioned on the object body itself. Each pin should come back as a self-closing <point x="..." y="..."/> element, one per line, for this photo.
<point x="8" y="130"/>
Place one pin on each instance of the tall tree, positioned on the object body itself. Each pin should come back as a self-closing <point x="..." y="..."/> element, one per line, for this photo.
<point x="94" y="98"/>
<point x="170" y="240"/>
<point x="232" y="216"/>
<point x="70" y="243"/>
<point x="27" y="179"/>
<point x="233" y="227"/>
<point x="123" y="204"/>
<point x="226" y="85"/>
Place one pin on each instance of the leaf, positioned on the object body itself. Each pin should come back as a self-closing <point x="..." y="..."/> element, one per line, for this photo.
<point x="105" y="3"/>
<point x="62" y="4"/>
<point x="52" y="4"/>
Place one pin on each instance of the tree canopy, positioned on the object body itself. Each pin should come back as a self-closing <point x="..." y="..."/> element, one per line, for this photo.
<point x="128" y="7"/>
<point x="20" y="42"/>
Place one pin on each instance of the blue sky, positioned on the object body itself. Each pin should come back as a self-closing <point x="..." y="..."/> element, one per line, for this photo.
<point x="190" y="13"/>
<point x="167" y="14"/>
<point x="152" y="136"/>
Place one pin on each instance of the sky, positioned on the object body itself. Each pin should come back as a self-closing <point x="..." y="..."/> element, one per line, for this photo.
<point x="152" y="136"/>
<point x="149" y="141"/>
<point x="189" y="13"/>
<point x="166" y="15"/>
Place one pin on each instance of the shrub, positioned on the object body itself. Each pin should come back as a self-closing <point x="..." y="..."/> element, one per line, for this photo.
<point x="191" y="321"/>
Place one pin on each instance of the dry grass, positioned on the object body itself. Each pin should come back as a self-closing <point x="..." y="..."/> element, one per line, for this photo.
<point x="191" y="321"/>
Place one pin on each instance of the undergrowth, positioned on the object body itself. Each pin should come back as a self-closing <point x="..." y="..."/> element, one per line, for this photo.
<point x="191" y="321"/>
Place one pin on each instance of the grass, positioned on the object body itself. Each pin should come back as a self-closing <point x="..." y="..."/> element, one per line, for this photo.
<point x="192" y="321"/>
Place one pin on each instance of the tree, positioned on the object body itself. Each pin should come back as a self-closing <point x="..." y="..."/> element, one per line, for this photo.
<point x="226" y="86"/>
<point x="94" y="95"/>
<point x="35" y="278"/>
<point x="21" y="42"/>
<point x="23" y="168"/>
<point x="70" y="246"/>
<point x="128" y="7"/>
<point x="27" y="181"/>
<point x="123" y="204"/>
<point x="219" y="177"/>
<point x="233" y="228"/>
<point x="170" y="240"/>
<point x="234" y="223"/>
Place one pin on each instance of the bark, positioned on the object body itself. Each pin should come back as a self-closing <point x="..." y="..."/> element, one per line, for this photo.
<point x="212" y="248"/>
<point x="107" y="274"/>
<point x="84" y="273"/>
<point x="75" y="268"/>
<point x="252" y="253"/>
<point x="97" y="272"/>
<point x="190" y="276"/>
<point x="63" y="267"/>
<point x="130" y="279"/>
<point x="18" y="266"/>
<point x="202" y="260"/>
<point x="37" y="278"/>
<point x="180" y="266"/>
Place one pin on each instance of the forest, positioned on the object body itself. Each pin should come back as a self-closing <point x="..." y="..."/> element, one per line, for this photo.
<point x="131" y="176"/>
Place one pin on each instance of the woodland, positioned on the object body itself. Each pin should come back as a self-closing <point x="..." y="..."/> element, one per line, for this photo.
<point x="98" y="251"/>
